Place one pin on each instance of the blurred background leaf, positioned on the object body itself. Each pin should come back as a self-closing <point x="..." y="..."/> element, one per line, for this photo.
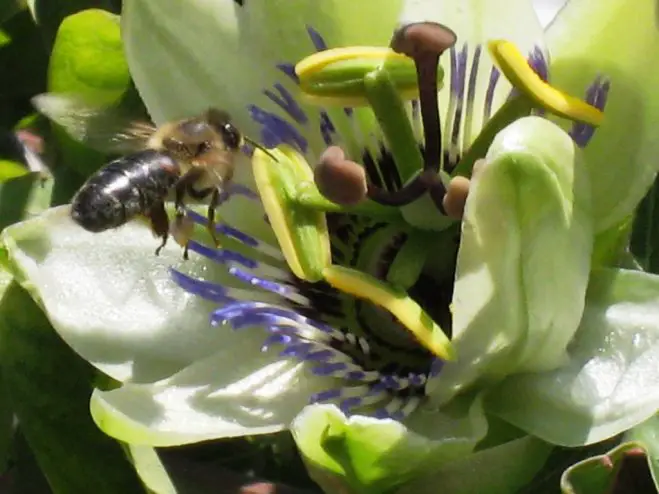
<point x="9" y="8"/>
<point x="19" y="81"/>
<point x="644" y="243"/>
<point x="615" y="472"/>
<point x="87" y="61"/>
<point x="48" y="14"/>
<point x="24" y="475"/>
<point x="6" y="408"/>
<point x="647" y="434"/>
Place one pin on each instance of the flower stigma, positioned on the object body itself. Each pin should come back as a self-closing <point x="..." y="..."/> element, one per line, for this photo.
<point x="360" y="284"/>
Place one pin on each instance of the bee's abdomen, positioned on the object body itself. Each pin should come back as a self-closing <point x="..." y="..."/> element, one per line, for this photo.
<point x="124" y="188"/>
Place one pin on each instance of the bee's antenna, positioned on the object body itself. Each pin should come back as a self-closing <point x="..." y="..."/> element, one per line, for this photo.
<point x="259" y="146"/>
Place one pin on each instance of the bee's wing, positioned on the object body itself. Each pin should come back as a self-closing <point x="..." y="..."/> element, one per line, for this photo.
<point x="102" y="128"/>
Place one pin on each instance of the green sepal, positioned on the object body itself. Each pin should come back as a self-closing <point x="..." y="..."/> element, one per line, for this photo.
<point x="505" y="468"/>
<point x="364" y="455"/>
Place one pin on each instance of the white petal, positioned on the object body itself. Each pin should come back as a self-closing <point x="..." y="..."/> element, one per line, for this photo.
<point x="611" y="381"/>
<point x="186" y="55"/>
<point x="547" y="9"/>
<point x="524" y="258"/>
<point x="475" y="22"/>
<point x="234" y="392"/>
<point x="609" y="38"/>
<point x="112" y="299"/>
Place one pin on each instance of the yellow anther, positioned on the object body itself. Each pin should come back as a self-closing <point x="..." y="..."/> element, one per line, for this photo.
<point x="521" y="75"/>
<point x="398" y="303"/>
<point x="317" y="61"/>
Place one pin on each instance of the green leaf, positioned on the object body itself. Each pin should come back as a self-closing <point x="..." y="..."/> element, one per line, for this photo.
<point x="11" y="169"/>
<point x="87" y="61"/>
<point x="501" y="469"/>
<point x="23" y="198"/>
<point x="50" y="388"/>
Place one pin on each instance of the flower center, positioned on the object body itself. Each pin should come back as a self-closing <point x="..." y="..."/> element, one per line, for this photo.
<point x="364" y="278"/>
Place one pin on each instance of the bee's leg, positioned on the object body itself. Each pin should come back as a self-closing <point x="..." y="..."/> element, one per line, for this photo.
<point x="210" y="224"/>
<point x="183" y="186"/>
<point x="214" y="202"/>
<point x="181" y="230"/>
<point x="159" y="224"/>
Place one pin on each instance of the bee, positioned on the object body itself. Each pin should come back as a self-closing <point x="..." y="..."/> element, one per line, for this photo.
<point x="193" y="157"/>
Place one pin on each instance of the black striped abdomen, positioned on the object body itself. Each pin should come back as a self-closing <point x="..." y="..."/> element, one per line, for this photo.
<point x="124" y="188"/>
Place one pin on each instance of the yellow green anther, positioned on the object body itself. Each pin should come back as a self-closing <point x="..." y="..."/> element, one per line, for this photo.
<point x="517" y="70"/>
<point x="395" y="301"/>
<point x="301" y="232"/>
<point x="336" y="76"/>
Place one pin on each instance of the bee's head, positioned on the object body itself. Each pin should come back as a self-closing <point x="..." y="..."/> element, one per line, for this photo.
<point x="221" y="122"/>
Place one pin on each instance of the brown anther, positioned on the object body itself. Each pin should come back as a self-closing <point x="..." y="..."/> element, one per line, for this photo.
<point x="425" y="42"/>
<point x="340" y="180"/>
<point x="422" y="38"/>
<point x="456" y="197"/>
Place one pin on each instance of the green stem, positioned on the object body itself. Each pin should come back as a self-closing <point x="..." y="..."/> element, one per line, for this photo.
<point x="516" y="107"/>
<point x="390" y="112"/>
